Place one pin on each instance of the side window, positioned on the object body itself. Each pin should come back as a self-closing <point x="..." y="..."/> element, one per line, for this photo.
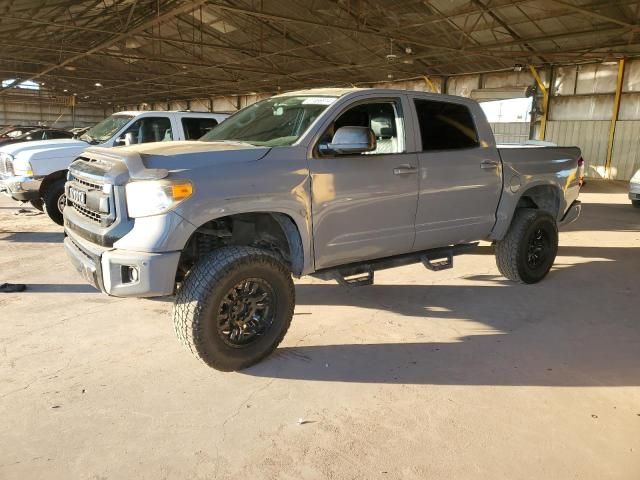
<point x="445" y="126"/>
<point x="60" y="134"/>
<point x="383" y="118"/>
<point x="150" y="129"/>
<point x="194" y="128"/>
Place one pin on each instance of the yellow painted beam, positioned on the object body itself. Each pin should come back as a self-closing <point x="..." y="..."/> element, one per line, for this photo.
<point x="614" y="117"/>
<point x="430" y="84"/>
<point x="545" y="102"/>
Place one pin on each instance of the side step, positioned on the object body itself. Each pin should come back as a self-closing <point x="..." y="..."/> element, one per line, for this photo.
<point x="362" y="273"/>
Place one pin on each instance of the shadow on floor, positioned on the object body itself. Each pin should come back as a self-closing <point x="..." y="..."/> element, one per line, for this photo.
<point x="59" y="288"/>
<point x="32" y="237"/>
<point x="579" y="327"/>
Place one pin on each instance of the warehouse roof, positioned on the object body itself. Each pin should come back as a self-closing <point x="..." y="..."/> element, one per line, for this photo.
<point x="153" y="50"/>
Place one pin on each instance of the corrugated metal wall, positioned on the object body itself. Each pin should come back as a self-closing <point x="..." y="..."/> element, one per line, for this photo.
<point x="33" y="110"/>
<point x="511" y="132"/>
<point x="626" y="150"/>
<point x="591" y="136"/>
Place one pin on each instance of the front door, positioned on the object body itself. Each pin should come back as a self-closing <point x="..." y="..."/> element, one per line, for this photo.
<point x="364" y="205"/>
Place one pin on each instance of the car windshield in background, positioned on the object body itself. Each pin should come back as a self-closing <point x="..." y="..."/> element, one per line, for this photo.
<point x="105" y="129"/>
<point x="274" y="122"/>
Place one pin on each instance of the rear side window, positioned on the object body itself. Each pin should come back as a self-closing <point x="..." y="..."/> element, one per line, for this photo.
<point x="445" y="126"/>
<point x="194" y="128"/>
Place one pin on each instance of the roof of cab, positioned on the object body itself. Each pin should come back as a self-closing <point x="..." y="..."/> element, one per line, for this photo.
<point x="182" y="112"/>
<point x="339" y="92"/>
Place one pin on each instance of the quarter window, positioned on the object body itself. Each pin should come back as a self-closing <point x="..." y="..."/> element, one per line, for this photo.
<point x="445" y="126"/>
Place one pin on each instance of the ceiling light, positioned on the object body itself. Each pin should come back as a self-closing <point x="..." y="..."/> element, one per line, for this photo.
<point x="98" y="84"/>
<point x="65" y="90"/>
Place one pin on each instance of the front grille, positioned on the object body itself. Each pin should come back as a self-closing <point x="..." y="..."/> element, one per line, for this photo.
<point x="94" y="193"/>
<point x="86" y="183"/>
<point x="6" y="166"/>
<point x="90" y="214"/>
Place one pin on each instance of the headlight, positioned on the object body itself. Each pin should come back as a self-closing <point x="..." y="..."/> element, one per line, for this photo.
<point x="636" y="177"/>
<point x="6" y="162"/>
<point x="22" y="167"/>
<point x="154" y="197"/>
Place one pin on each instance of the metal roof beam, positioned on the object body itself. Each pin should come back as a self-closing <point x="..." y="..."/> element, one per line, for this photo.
<point x="122" y="36"/>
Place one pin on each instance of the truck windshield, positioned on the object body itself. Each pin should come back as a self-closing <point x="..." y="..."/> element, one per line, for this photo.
<point x="274" y="122"/>
<point x="105" y="129"/>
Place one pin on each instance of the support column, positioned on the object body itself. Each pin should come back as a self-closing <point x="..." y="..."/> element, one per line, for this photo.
<point x="614" y="117"/>
<point x="545" y="101"/>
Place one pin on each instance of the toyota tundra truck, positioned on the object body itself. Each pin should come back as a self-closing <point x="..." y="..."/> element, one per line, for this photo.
<point x="35" y="172"/>
<point x="336" y="183"/>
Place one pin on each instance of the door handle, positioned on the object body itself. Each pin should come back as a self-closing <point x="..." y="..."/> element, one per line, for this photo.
<point x="489" y="164"/>
<point x="404" y="169"/>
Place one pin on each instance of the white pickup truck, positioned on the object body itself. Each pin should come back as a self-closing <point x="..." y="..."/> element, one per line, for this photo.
<point x="35" y="172"/>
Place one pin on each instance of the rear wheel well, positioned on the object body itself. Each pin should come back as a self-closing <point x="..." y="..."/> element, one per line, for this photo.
<point x="49" y="179"/>
<point x="272" y="231"/>
<point x="541" y="197"/>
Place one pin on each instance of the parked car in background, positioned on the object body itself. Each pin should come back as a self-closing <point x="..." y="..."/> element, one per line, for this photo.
<point x="36" y="171"/>
<point x="37" y="134"/>
<point x="336" y="183"/>
<point x="12" y="131"/>
<point x="634" y="189"/>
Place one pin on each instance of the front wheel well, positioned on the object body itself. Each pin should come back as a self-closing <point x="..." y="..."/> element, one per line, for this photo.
<point x="49" y="179"/>
<point x="272" y="231"/>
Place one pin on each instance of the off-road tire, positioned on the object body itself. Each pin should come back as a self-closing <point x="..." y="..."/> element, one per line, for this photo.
<point x="198" y="300"/>
<point x="38" y="204"/>
<point x="635" y="203"/>
<point x="51" y="199"/>
<point x="512" y="251"/>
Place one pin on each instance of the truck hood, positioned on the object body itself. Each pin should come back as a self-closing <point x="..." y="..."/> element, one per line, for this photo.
<point x="156" y="160"/>
<point x="51" y="147"/>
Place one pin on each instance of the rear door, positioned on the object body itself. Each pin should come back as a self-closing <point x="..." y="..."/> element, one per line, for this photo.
<point x="364" y="205"/>
<point x="460" y="175"/>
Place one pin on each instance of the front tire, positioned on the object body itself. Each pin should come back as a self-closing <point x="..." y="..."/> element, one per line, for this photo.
<point x="234" y="307"/>
<point x="528" y="250"/>
<point x="635" y="203"/>
<point x="54" y="199"/>
<point x="37" y="204"/>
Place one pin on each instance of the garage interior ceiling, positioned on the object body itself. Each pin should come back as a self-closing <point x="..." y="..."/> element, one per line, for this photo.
<point x="153" y="50"/>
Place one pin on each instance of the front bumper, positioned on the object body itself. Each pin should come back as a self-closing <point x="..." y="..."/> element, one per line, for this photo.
<point x="634" y="191"/>
<point x="109" y="270"/>
<point x="22" y="189"/>
<point x="572" y="213"/>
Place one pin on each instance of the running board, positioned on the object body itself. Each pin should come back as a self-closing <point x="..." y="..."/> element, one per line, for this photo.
<point x="362" y="273"/>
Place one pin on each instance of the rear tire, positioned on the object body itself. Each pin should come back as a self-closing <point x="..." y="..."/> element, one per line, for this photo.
<point x="234" y="307"/>
<point x="37" y="204"/>
<point x="529" y="248"/>
<point x="635" y="203"/>
<point x="54" y="200"/>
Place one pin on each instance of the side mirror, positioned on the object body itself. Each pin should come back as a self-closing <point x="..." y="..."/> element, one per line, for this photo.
<point x="350" y="140"/>
<point x="126" y="140"/>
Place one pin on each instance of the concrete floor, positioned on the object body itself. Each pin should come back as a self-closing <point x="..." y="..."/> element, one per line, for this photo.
<point x="457" y="374"/>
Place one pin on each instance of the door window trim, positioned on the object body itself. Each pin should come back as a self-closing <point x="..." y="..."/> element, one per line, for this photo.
<point x="399" y="110"/>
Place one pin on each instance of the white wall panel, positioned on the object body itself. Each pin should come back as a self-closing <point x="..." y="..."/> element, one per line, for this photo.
<point x="590" y="136"/>
<point x="626" y="150"/>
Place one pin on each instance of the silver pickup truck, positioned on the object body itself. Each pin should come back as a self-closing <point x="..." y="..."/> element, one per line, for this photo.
<point x="336" y="183"/>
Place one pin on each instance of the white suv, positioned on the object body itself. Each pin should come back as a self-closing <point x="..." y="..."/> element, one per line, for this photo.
<point x="35" y="172"/>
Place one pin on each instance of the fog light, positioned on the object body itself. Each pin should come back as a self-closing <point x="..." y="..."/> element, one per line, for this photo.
<point x="130" y="274"/>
